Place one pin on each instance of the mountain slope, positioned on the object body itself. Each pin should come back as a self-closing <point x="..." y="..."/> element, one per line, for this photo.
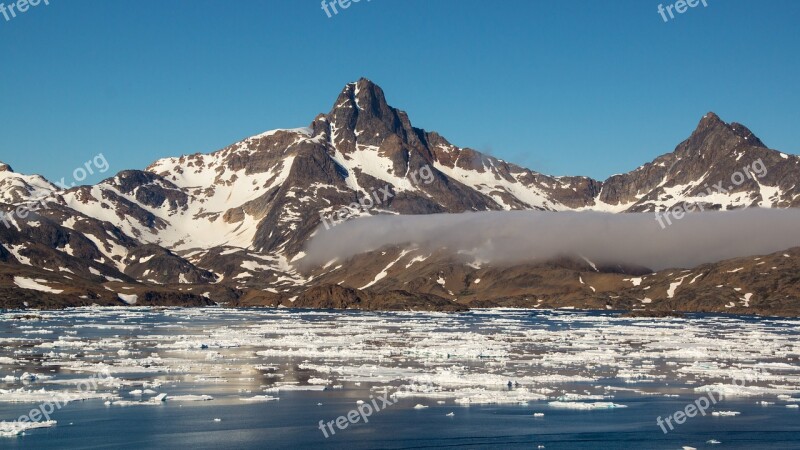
<point x="709" y="159"/>
<point x="230" y="224"/>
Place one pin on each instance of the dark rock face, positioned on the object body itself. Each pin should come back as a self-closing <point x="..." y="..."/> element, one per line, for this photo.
<point x="154" y="264"/>
<point x="5" y="256"/>
<point x="338" y="297"/>
<point x="75" y="291"/>
<point x="225" y="227"/>
<point x="149" y="189"/>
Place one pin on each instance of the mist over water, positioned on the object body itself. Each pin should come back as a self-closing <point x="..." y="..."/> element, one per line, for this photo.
<point x="527" y="236"/>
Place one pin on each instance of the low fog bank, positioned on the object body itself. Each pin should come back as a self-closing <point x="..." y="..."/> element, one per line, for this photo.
<point x="526" y="236"/>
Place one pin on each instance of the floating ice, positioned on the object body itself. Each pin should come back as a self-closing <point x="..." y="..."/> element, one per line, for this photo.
<point x="585" y="406"/>
<point x="725" y="413"/>
<point x="190" y="398"/>
<point x="11" y="429"/>
<point x="260" y="398"/>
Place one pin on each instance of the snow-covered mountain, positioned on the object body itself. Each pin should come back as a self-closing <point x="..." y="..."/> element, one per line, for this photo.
<point x="227" y="226"/>
<point x="16" y="188"/>
<point x="704" y="169"/>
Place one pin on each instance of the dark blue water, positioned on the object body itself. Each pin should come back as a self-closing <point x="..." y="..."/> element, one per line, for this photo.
<point x="293" y="421"/>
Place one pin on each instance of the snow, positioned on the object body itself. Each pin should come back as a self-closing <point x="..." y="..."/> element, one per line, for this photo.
<point x="673" y="286"/>
<point x="212" y="191"/>
<point x="601" y="206"/>
<point x="254" y="266"/>
<point x="594" y="267"/>
<point x="29" y="187"/>
<point x="487" y="180"/>
<point x="634" y="281"/>
<point x="35" y="285"/>
<point x="382" y="274"/>
<point x="416" y="259"/>
<point x="129" y="299"/>
<point x="16" y="251"/>
<point x="368" y="160"/>
<point x="111" y="249"/>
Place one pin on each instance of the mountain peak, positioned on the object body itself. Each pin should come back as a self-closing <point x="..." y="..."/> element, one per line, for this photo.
<point x="710" y="120"/>
<point x="5" y="167"/>
<point x="362" y="115"/>
<point x="362" y="95"/>
<point x="712" y="123"/>
<point x="364" y="83"/>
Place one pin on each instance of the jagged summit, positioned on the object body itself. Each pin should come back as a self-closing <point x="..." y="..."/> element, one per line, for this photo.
<point x="712" y="125"/>
<point x="361" y="115"/>
<point x="364" y="94"/>
<point x="362" y="97"/>
<point x="710" y="120"/>
<point x="5" y="167"/>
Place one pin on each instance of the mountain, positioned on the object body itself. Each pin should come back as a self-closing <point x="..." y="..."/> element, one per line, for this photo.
<point x="16" y="188"/>
<point x="227" y="227"/>
<point x="708" y="160"/>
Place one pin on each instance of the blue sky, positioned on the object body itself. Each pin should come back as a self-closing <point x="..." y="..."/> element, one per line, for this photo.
<point x="562" y="87"/>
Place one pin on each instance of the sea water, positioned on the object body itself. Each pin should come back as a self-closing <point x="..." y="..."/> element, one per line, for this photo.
<point x="276" y="378"/>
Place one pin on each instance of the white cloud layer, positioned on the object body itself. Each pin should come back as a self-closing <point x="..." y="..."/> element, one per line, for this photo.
<point x="528" y="236"/>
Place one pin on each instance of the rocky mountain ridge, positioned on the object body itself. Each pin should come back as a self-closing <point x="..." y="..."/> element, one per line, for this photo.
<point x="228" y="226"/>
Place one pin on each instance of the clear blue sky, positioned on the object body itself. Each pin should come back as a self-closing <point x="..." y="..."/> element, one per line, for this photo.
<point x="562" y="87"/>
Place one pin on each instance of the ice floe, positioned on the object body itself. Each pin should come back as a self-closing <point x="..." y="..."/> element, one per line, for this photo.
<point x="11" y="429"/>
